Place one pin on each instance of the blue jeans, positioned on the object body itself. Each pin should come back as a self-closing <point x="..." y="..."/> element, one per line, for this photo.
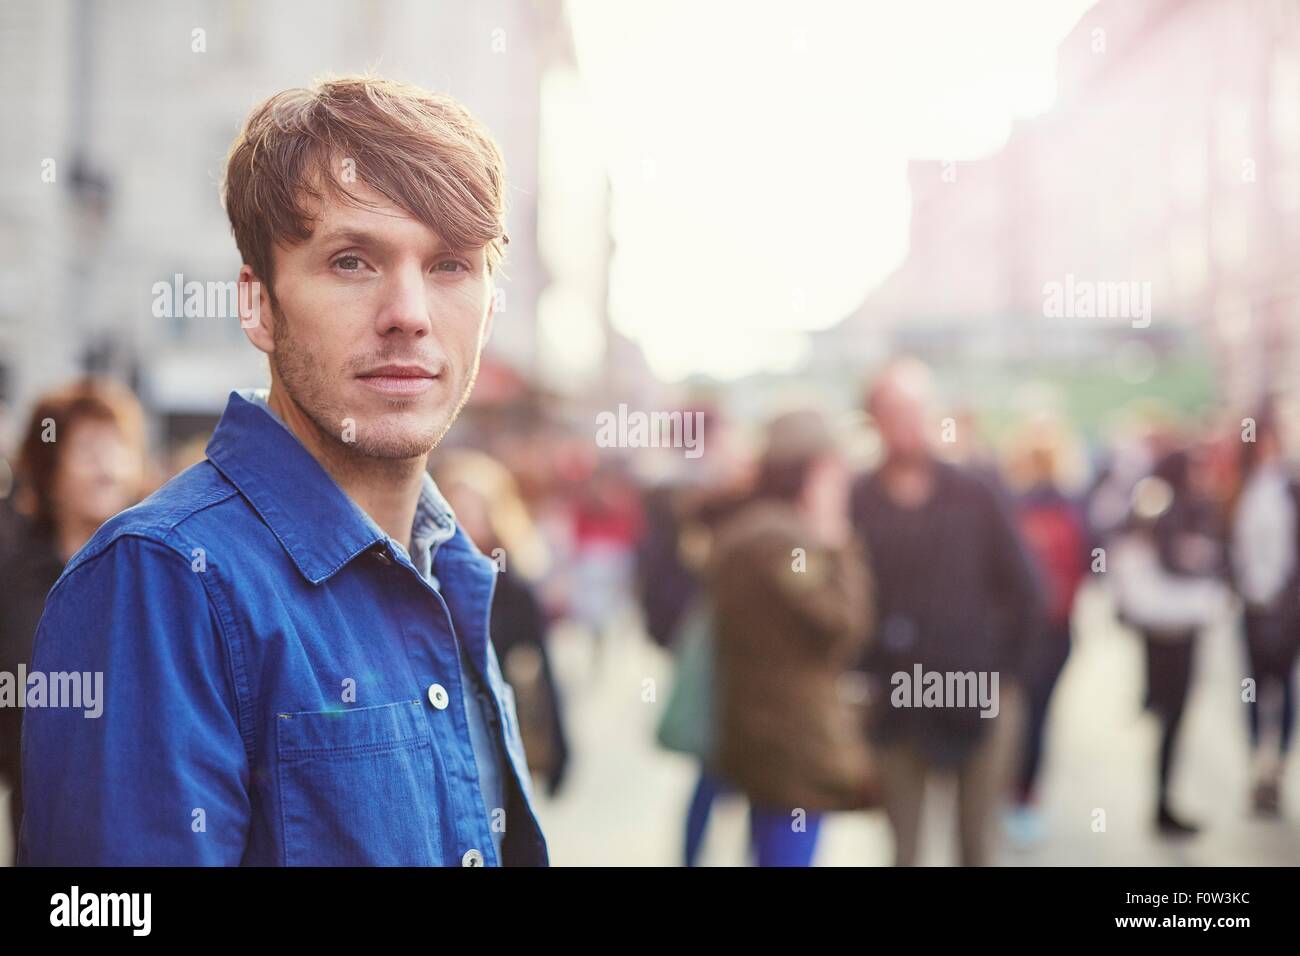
<point x="707" y="790"/>
<point x="776" y="841"/>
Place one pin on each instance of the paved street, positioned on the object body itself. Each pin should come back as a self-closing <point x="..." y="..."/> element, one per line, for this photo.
<point x="625" y="797"/>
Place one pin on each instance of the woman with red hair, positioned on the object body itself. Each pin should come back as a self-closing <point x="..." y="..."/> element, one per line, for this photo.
<point x="81" y="462"/>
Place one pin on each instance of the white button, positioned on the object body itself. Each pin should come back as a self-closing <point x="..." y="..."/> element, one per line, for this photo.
<point x="472" y="858"/>
<point x="438" y="696"/>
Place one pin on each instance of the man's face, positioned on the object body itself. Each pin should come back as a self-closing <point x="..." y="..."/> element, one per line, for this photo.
<point x="902" y="417"/>
<point x="377" y="328"/>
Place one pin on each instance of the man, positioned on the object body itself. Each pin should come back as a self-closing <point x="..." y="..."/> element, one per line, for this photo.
<point x="957" y="597"/>
<point x="293" y="633"/>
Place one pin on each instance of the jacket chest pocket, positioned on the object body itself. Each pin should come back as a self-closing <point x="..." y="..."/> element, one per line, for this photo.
<point x="357" y="787"/>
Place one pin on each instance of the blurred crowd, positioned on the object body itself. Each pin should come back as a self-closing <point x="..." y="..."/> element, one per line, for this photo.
<point x="804" y="601"/>
<point x="806" y="590"/>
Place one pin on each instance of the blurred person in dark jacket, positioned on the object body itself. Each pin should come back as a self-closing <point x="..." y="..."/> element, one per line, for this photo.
<point x="81" y="462"/>
<point x="665" y="583"/>
<point x="1264" y="553"/>
<point x="792" y="606"/>
<point x="679" y="513"/>
<point x="1167" y="569"/>
<point x="486" y="500"/>
<point x="958" y="600"/>
<point x="682" y="517"/>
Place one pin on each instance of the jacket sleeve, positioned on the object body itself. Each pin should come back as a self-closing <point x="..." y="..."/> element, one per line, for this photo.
<point x="1015" y="580"/>
<point x="831" y="589"/>
<point x="159" y="776"/>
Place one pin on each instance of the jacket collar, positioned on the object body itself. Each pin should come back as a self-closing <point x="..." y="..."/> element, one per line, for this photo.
<point x="317" y="524"/>
<point x="322" y="529"/>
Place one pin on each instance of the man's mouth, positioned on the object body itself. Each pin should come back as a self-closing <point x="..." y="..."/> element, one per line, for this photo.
<point x="398" y="379"/>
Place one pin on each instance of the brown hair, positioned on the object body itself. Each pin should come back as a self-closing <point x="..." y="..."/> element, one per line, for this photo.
<point x="39" y="458"/>
<point x="422" y="151"/>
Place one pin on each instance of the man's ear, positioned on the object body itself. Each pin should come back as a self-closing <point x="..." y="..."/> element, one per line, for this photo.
<point x="256" y="317"/>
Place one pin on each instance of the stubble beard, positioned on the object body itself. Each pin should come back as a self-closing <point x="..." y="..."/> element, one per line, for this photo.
<point x="299" y="370"/>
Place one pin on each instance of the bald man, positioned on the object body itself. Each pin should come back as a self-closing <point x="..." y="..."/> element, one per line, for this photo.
<point x="958" y="604"/>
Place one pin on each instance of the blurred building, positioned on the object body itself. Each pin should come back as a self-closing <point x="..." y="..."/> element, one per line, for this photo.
<point x="118" y="118"/>
<point x="1171" y="158"/>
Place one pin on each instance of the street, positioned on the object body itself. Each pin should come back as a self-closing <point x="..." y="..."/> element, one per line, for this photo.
<point x="626" y="798"/>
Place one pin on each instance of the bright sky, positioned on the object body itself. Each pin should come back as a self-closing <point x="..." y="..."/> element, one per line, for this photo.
<point x="757" y="152"/>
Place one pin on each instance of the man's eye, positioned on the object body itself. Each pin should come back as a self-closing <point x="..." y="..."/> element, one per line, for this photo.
<point x="449" y="265"/>
<point x="348" y="263"/>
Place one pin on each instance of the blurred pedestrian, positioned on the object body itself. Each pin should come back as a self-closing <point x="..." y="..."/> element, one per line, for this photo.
<point x="1167" y="569"/>
<point x="1264" y="546"/>
<point x="688" y="724"/>
<point x="664" y="582"/>
<point x="1053" y="528"/>
<point x="679" y="511"/>
<point x="792" y="607"/>
<point x="81" y="462"/>
<point x="487" y="505"/>
<point x="957" y="597"/>
<point x="607" y="524"/>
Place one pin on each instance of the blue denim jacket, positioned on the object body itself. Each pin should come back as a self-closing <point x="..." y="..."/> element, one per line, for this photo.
<point x="434" y="526"/>
<point x="281" y="685"/>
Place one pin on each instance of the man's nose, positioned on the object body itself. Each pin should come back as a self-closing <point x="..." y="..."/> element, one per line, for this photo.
<point x="405" y="305"/>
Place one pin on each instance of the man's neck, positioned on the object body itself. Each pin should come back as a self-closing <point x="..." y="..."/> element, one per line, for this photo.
<point x="387" y="489"/>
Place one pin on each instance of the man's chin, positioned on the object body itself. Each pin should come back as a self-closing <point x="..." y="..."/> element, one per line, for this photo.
<point x="394" y="447"/>
<point x="398" y="427"/>
<point x="395" y="434"/>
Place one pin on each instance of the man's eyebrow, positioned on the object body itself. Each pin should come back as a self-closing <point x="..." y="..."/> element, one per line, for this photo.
<point x="355" y="237"/>
<point x="362" y="237"/>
